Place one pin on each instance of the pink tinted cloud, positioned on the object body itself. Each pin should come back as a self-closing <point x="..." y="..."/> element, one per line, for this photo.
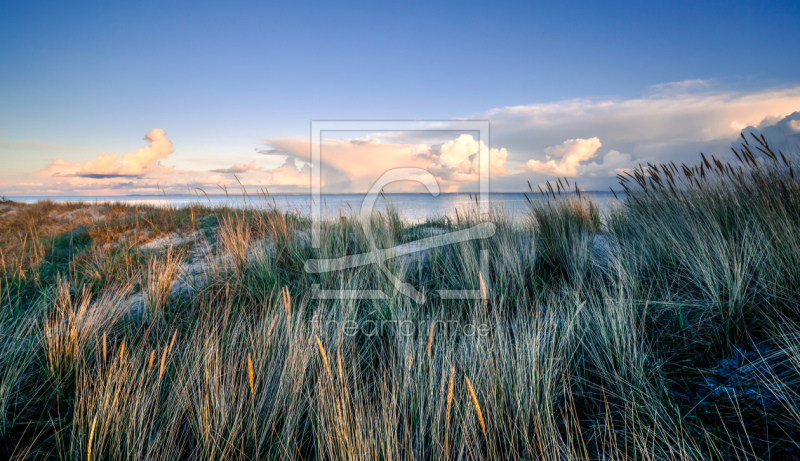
<point x="569" y="154"/>
<point x="138" y="163"/>
<point x="357" y="163"/>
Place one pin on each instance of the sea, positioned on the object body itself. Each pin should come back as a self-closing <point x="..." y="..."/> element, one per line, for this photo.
<point x="412" y="207"/>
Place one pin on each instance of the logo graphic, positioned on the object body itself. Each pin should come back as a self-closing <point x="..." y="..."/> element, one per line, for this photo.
<point x="377" y="256"/>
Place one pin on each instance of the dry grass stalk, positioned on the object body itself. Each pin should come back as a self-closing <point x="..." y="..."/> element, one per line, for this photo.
<point x="287" y="303"/>
<point x="339" y="364"/>
<point x="447" y="414"/>
<point x="167" y="351"/>
<point x="483" y="288"/>
<point x="150" y="362"/>
<point x="163" y="363"/>
<point x="172" y="343"/>
<point x="323" y="354"/>
<point x="104" y="347"/>
<point x="159" y="279"/>
<point x="339" y="411"/>
<point x="250" y="374"/>
<point x="91" y="439"/>
<point x="430" y="339"/>
<point x="476" y="405"/>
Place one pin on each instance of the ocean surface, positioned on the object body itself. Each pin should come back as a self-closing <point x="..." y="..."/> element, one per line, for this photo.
<point x="412" y="207"/>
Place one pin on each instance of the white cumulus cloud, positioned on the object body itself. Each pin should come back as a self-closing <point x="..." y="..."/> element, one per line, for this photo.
<point x="570" y="154"/>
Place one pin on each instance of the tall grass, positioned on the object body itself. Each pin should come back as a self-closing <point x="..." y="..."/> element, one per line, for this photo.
<point x="665" y="329"/>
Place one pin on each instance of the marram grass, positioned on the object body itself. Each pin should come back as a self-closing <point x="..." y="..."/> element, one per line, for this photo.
<point x="667" y="328"/>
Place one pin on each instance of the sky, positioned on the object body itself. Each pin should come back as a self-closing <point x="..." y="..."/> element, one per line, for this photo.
<point x="99" y="98"/>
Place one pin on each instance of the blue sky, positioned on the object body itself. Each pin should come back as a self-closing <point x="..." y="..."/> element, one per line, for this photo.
<point x="79" y="79"/>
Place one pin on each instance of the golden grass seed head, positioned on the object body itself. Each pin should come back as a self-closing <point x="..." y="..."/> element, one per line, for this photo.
<point x="476" y="405"/>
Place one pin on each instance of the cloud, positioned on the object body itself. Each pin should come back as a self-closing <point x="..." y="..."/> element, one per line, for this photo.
<point x="456" y="161"/>
<point x="570" y="153"/>
<point x="132" y="164"/>
<point x="784" y="134"/>
<point x="238" y="169"/>
<point x="354" y="164"/>
<point x="59" y="167"/>
<point x="681" y="87"/>
<point x="351" y="164"/>
<point x="295" y="146"/>
<point x="614" y="163"/>
<point x="140" y="172"/>
<point x="664" y="118"/>
<point x="289" y="175"/>
<point x="675" y="122"/>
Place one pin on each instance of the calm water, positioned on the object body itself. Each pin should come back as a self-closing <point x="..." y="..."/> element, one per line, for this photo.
<point x="413" y="207"/>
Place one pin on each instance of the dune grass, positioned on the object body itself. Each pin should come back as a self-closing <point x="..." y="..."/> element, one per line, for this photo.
<point x="666" y="329"/>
